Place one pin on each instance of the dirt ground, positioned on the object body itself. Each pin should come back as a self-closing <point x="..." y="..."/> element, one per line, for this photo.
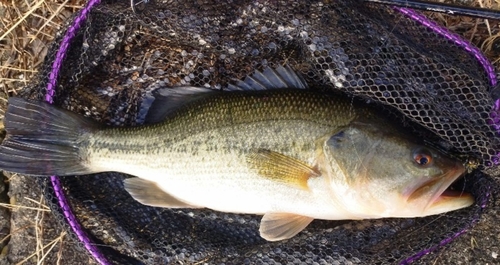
<point x="28" y="232"/>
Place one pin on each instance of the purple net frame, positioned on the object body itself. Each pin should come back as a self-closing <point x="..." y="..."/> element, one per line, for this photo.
<point x="490" y="72"/>
<point x="82" y="16"/>
<point x="458" y="40"/>
<point x="51" y="86"/>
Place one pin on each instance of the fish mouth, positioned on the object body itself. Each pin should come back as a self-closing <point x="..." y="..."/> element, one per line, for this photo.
<point x="440" y="195"/>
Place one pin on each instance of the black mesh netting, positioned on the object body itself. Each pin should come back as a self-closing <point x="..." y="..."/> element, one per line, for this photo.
<point x="380" y="54"/>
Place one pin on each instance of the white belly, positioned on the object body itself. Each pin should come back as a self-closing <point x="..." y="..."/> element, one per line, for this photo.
<point x="235" y="188"/>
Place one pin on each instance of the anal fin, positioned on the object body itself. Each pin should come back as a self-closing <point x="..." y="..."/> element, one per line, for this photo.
<point x="281" y="168"/>
<point x="148" y="193"/>
<point x="280" y="226"/>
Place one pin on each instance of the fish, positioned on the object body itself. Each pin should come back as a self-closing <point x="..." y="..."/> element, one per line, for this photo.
<point x="269" y="145"/>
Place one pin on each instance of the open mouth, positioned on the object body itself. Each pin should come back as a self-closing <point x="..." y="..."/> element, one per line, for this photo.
<point x="453" y="192"/>
<point x="443" y="194"/>
<point x="452" y="198"/>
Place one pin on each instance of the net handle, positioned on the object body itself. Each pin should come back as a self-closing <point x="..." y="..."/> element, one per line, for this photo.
<point x="445" y="8"/>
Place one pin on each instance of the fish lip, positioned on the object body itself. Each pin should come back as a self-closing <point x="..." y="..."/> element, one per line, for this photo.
<point x="448" y="179"/>
<point x="440" y="186"/>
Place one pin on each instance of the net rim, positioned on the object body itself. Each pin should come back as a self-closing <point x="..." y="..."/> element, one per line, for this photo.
<point x="81" y="18"/>
<point x="50" y="92"/>
<point x="488" y="67"/>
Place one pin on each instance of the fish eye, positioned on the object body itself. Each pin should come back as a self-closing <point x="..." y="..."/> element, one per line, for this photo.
<point x="422" y="157"/>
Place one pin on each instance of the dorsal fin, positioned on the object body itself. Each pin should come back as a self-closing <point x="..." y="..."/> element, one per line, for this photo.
<point x="158" y="104"/>
<point x="281" y="77"/>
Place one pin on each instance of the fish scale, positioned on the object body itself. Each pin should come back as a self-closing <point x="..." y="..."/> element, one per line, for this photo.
<point x="169" y="141"/>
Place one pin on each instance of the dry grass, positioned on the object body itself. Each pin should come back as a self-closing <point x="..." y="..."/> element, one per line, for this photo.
<point x="28" y="26"/>
<point x="26" y="29"/>
<point x="44" y="250"/>
<point x="33" y="221"/>
<point x="484" y="33"/>
<point x="41" y="250"/>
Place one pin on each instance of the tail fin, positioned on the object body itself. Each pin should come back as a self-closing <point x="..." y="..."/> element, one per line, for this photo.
<point x="43" y="140"/>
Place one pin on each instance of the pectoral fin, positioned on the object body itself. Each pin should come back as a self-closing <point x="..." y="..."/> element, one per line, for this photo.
<point x="280" y="226"/>
<point x="282" y="168"/>
<point x="148" y="193"/>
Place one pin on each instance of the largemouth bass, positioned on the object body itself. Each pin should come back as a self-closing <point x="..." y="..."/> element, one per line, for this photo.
<point x="282" y="151"/>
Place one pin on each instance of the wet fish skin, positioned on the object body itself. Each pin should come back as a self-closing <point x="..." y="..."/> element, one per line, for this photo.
<point x="266" y="119"/>
<point x="293" y="155"/>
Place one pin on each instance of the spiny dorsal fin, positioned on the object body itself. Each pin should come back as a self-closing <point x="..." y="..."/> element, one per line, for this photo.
<point x="158" y="104"/>
<point x="281" y="168"/>
<point x="148" y="193"/>
<point x="280" y="226"/>
<point x="281" y="77"/>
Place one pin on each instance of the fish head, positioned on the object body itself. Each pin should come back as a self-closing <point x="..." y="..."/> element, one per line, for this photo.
<point x="382" y="172"/>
